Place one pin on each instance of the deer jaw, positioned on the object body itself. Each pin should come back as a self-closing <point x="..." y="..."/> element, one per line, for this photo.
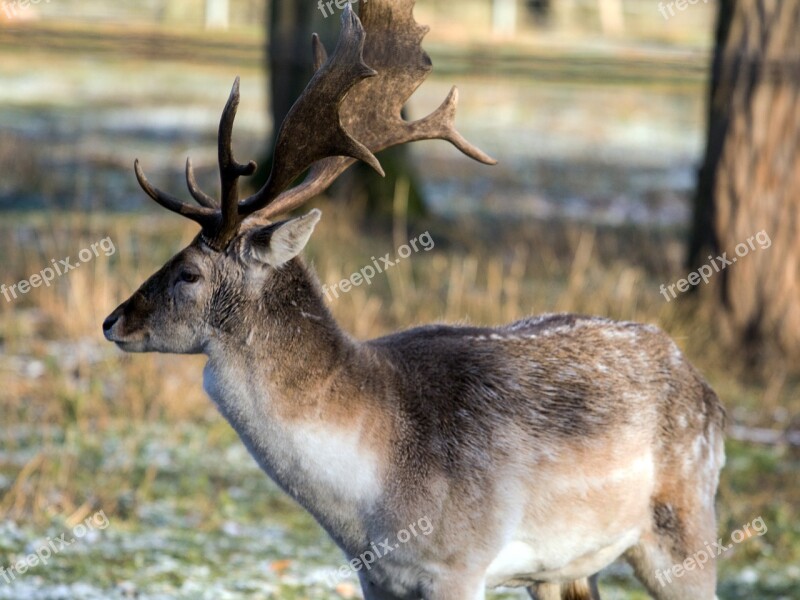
<point x="170" y="310"/>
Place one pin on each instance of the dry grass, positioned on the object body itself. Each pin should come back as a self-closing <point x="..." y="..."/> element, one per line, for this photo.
<point x="476" y="273"/>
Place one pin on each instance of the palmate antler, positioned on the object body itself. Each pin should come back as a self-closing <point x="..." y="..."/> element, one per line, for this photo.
<point x="320" y="132"/>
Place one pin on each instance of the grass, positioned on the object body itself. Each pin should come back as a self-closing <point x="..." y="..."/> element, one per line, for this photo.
<point x="87" y="428"/>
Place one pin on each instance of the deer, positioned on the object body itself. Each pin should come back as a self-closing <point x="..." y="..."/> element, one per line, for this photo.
<point x="539" y="452"/>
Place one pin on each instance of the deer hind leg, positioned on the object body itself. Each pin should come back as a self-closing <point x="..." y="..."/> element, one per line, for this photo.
<point x="676" y="539"/>
<point x="583" y="589"/>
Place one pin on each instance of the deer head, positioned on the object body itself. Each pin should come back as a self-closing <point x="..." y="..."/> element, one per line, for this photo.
<point x="239" y="249"/>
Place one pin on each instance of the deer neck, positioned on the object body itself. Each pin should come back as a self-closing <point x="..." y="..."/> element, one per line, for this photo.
<point x="297" y="391"/>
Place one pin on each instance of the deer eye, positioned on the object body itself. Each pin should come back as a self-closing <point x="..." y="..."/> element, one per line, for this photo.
<point x="188" y="277"/>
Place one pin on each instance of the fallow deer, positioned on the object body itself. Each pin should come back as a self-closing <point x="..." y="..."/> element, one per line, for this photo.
<point x="539" y="452"/>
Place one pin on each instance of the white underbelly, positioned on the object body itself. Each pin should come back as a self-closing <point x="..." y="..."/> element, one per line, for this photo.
<point x="520" y="563"/>
<point x="576" y="522"/>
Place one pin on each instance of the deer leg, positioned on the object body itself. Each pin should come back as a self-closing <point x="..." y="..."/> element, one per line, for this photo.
<point x="583" y="589"/>
<point x="654" y="557"/>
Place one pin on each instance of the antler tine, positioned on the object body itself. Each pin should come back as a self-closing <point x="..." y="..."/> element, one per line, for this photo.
<point x="319" y="52"/>
<point x="218" y="220"/>
<point x="441" y="124"/>
<point x="202" y="198"/>
<point x="403" y="66"/>
<point x="229" y="170"/>
<point x="205" y="216"/>
<point x="315" y="118"/>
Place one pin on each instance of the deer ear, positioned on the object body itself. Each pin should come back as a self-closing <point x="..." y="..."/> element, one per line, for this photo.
<point x="277" y="244"/>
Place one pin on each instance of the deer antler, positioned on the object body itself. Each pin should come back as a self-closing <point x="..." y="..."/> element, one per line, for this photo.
<point x="373" y="113"/>
<point x="317" y="133"/>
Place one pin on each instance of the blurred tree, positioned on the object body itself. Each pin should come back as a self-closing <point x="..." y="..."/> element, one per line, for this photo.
<point x="750" y="179"/>
<point x="291" y="24"/>
<point x="612" y="16"/>
<point x="539" y="8"/>
<point x="217" y="14"/>
<point x="504" y="17"/>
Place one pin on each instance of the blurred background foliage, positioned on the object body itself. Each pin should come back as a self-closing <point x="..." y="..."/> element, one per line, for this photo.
<point x="598" y="113"/>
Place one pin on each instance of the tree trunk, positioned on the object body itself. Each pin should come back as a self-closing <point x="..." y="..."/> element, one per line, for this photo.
<point x="750" y="179"/>
<point x="291" y="24"/>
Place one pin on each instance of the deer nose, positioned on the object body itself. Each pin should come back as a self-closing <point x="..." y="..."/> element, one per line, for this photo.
<point x="109" y="322"/>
